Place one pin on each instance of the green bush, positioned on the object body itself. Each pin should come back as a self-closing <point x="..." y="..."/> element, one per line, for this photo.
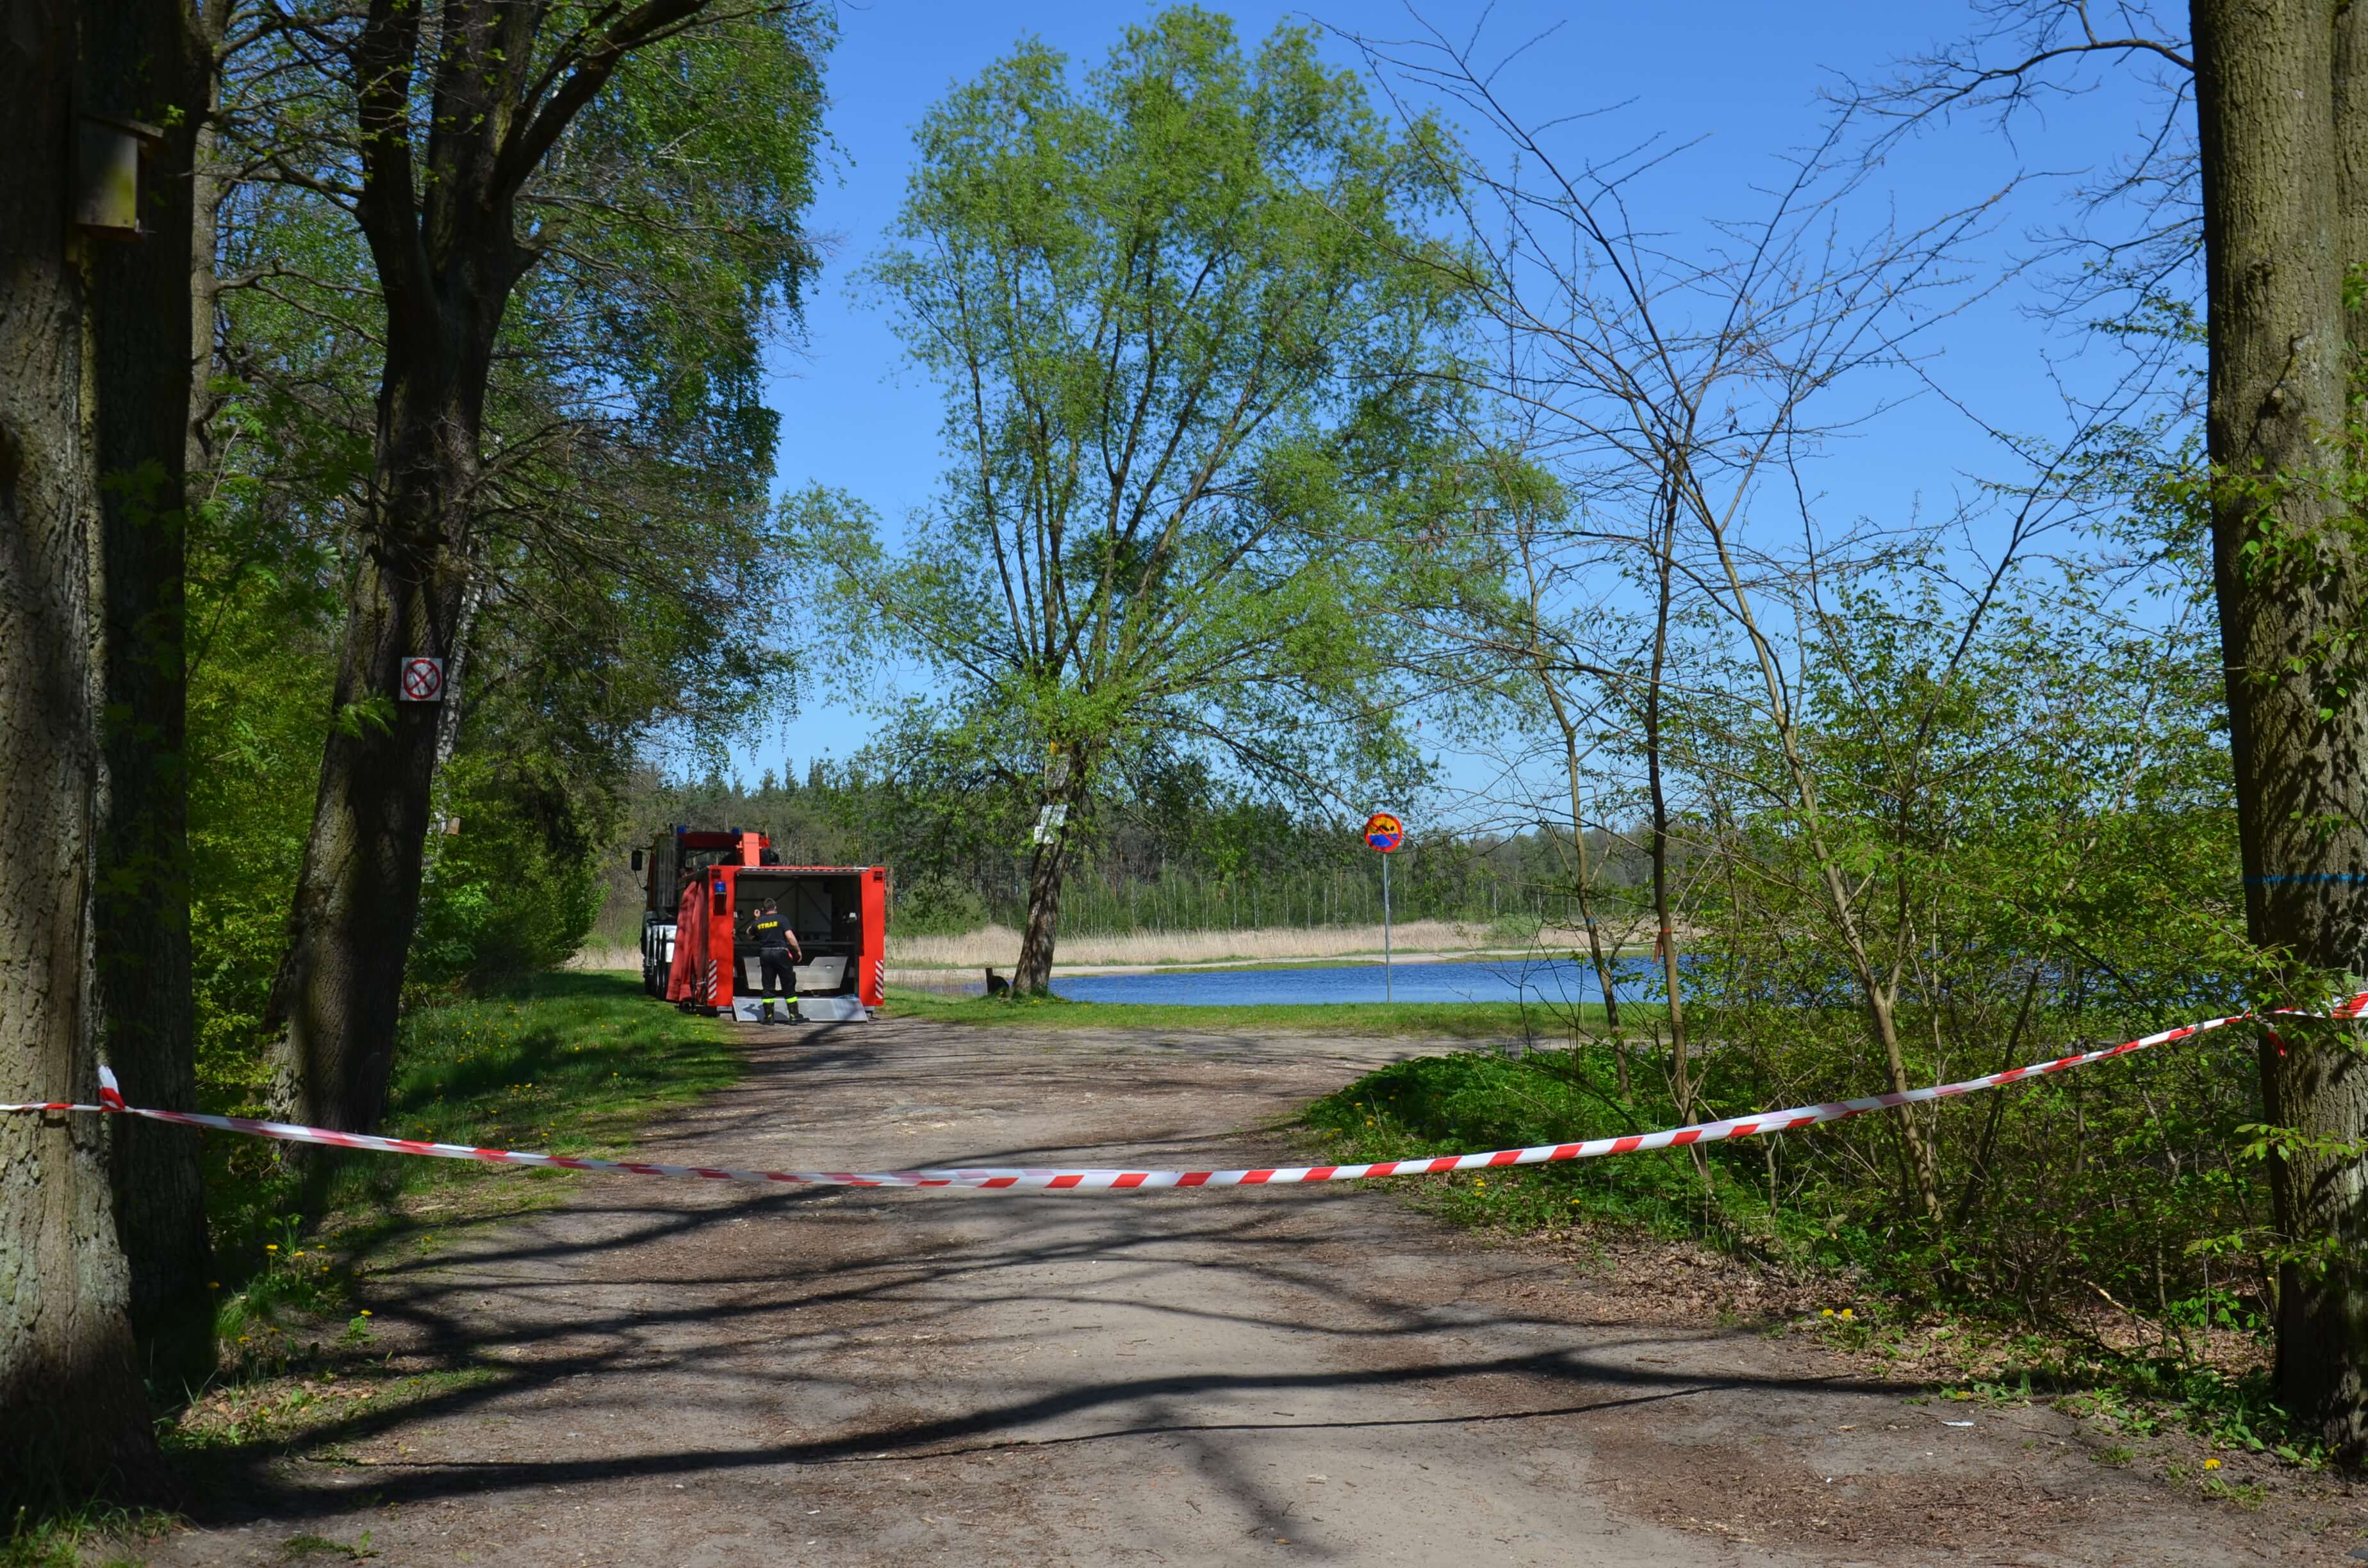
<point x="1479" y="1100"/>
<point x="936" y="906"/>
<point x="258" y="717"/>
<point x="515" y="890"/>
<point x="1515" y="930"/>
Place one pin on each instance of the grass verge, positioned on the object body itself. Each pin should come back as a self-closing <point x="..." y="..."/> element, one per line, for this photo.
<point x="1413" y="1020"/>
<point x="565" y="1062"/>
<point x="61" y="1541"/>
<point x="1471" y="1100"/>
<point x="1910" y="1319"/>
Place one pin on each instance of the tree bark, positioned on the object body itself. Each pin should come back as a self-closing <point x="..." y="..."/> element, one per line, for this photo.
<point x="73" y="1418"/>
<point x="337" y="996"/>
<point x="207" y="193"/>
<point x="439" y="215"/>
<point x="146" y="62"/>
<point x="1032" y="975"/>
<point x="2280" y="136"/>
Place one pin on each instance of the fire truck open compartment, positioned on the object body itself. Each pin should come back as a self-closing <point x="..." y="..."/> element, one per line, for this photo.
<point x="704" y="889"/>
<point x="825" y="907"/>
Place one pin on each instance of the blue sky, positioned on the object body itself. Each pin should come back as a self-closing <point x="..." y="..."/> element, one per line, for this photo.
<point x="1743" y="78"/>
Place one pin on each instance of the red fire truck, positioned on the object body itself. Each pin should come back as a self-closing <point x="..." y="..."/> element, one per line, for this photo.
<point x="701" y="889"/>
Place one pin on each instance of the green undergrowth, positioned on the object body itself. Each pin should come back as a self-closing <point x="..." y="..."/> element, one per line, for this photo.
<point x="2138" y="1393"/>
<point x="1416" y="1021"/>
<point x="1474" y="1100"/>
<point x="68" y="1539"/>
<point x="564" y="1063"/>
<point x="1909" y="1290"/>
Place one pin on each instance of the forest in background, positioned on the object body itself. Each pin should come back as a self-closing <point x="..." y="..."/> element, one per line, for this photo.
<point x="1188" y="857"/>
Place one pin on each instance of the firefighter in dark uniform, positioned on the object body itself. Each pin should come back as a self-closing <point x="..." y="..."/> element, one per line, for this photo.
<point x="777" y="954"/>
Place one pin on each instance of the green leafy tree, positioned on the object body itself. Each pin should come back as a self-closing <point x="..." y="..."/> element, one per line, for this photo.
<point x="1189" y="331"/>
<point x="2253" y="168"/>
<point x="2282" y="109"/>
<point x="560" y="236"/>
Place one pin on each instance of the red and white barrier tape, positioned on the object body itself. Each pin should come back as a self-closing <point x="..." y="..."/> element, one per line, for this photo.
<point x="1003" y="1179"/>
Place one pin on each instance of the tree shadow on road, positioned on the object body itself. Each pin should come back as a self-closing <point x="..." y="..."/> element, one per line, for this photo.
<point x="684" y="1316"/>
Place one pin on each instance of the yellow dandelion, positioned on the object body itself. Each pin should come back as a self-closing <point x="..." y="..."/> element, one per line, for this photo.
<point x="366" y="1311"/>
<point x="1847" y="1313"/>
<point x="2212" y="1464"/>
<point x="271" y="1246"/>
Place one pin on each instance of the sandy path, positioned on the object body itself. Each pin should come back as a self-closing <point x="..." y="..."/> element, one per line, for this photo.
<point x="693" y="1375"/>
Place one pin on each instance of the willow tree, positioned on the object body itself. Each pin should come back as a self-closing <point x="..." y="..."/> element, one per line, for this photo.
<point x="1188" y="331"/>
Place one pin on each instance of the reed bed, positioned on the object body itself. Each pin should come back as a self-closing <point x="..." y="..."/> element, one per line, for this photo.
<point x="606" y="955"/>
<point x="1000" y="945"/>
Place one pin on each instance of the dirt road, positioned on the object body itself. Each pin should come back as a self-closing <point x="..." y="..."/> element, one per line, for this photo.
<point x="663" y="1373"/>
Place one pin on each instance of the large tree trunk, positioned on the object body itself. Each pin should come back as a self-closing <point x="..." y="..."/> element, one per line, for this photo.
<point x="207" y="194"/>
<point x="339" y="988"/>
<point x="2280" y="165"/>
<point x="439" y="215"/>
<point x="143" y="62"/>
<point x="1032" y="975"/>
<point x="73" y="1418"/>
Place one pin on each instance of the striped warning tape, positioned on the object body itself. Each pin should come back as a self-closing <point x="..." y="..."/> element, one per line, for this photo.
<point x="111" y="1101"/>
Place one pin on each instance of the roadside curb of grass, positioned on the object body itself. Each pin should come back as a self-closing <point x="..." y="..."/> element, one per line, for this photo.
<point x="1249" y="964"/>
<point x="1468" y="1023"/>
<point x="568" y="1062"/>
<point x="2201" y="1422"/>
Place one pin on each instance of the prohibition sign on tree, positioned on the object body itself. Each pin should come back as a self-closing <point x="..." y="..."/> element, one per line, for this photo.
<point x="1384" y="832"/>
<point x="423" y="680"/>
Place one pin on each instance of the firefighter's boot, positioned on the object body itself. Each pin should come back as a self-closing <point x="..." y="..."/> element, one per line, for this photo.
<point x="769" y="1010"/>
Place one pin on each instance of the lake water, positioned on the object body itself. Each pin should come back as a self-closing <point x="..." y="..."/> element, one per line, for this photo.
<point x="1492" y="980"/>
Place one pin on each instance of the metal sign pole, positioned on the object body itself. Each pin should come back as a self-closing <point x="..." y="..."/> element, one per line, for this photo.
<point x="1384" y="834"/>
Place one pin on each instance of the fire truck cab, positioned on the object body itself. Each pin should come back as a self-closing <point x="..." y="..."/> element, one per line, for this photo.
<point x="703" y="889"/>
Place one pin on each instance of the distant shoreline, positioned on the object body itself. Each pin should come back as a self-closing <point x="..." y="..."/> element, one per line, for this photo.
<point x="1336" y="960"/>
<point x="920" y="960"/>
